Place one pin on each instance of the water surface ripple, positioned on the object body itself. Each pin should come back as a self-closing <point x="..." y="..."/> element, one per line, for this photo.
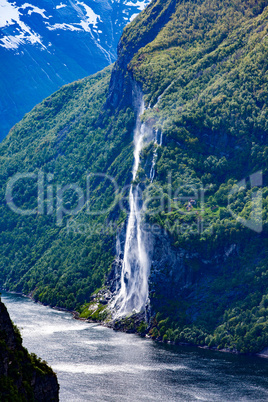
<point x="94" y="363"/>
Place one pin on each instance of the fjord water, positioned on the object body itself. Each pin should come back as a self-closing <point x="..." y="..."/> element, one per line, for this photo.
<point x="94" y="363"/>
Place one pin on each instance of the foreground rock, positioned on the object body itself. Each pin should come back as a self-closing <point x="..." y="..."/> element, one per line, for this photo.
<point x="23" y="377"/>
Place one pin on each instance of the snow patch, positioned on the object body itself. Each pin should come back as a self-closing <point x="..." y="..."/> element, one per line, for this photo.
<point x="10" y="15"/>
<point x="90" y="18"/>
<point x="133" y="16"/>
<point x="64" y="27"/>
<point x="139" y="4"/>
<point x="61" y="5"/>
<point x="34" y="9"/>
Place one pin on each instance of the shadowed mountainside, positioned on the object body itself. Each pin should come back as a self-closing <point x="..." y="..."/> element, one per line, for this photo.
<point x="23" y="377"/>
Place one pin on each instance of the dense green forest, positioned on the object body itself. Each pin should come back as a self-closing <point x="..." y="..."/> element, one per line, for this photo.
<point x="202" y="66"/>
<point x="61" y="137"/>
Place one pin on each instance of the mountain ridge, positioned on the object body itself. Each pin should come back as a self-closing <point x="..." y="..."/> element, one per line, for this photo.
<point x="43" y="47"/>
<point x="204" y="79"/>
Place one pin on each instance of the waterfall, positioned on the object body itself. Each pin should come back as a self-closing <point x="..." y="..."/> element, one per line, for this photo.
<point x="152" y="171"/>
<point x="156" y="144"/>
<point x="133" y="293"/>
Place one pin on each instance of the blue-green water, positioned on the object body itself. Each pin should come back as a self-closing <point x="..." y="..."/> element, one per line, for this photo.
<point x="94" y="363"/>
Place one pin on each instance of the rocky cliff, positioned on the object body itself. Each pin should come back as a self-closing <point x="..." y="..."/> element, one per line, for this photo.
<point x="202" y="69"/>
<point x="189" y="60"/>
<point x="135" y="36"/>
<point x="23" y="377"/>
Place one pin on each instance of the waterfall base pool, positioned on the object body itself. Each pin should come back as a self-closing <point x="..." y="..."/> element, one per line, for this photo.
<point x="94" y="363"/>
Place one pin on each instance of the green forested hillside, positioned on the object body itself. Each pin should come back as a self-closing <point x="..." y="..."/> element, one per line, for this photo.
<point x="202" y="66"/>
<point x="61" y="137"/>
<point x="209" y="65"/>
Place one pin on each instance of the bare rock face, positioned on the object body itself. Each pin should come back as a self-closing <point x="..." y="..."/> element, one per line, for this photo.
<point x="23" y="377"/>
<point x="120" y="91"/>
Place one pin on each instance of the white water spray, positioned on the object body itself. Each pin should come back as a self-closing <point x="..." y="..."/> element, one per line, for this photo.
<point x="133" y="293"/>
<point x="152" y="171"/>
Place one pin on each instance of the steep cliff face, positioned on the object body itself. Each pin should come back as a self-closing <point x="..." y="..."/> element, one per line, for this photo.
<point x="136" y="35"/>
<point x="202" y="67"/>
<point x="193" y="64"/>
<point x="22" y="377"/>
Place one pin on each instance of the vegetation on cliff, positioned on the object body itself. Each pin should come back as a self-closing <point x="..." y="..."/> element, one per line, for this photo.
<point x="62" y="264"/>
<point x="23" y="377"/>
<point x="202" y="67"/>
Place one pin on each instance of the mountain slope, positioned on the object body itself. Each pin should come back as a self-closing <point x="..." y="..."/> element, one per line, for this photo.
<point x="44" y="45"/>
<point x="67" y="143"/>
<point x="22" y="377"/>
<point x="202" y="67"/>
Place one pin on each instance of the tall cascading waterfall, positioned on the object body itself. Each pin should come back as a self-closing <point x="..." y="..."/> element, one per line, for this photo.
<point x="133" y="293"/>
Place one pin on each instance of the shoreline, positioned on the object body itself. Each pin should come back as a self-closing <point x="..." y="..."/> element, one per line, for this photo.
<point x="263" y="354"/>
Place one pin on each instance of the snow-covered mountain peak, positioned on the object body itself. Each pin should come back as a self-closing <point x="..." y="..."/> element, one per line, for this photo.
<point x="45" y="44"/>
<point x="22" y="23"/>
